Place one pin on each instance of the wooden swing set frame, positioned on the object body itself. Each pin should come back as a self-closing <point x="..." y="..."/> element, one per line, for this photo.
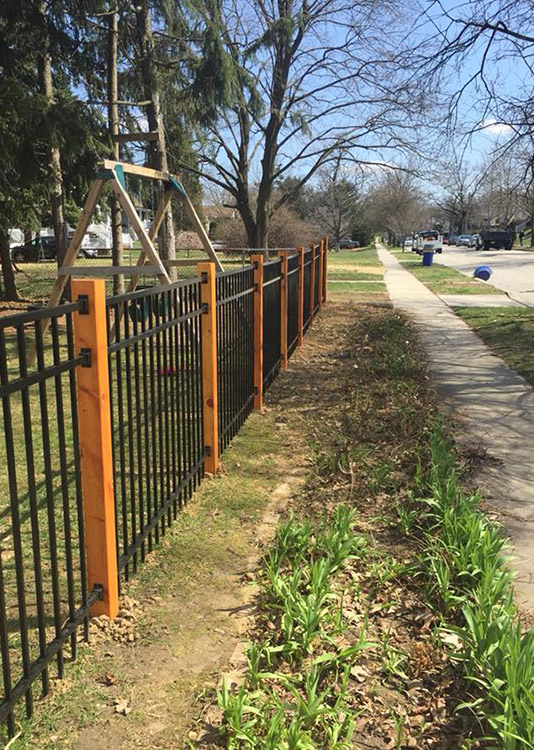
<point x="149" y="262"/>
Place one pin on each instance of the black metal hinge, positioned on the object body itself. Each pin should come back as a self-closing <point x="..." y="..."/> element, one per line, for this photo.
<point x="86" y="354"/>
<point x="99" y="590"/>
<point x="83" y="300"/>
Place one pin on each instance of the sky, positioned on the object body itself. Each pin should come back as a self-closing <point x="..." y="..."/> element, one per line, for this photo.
<point x="422" y="25"/>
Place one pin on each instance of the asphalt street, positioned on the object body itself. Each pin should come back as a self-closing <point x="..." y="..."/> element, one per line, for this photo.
<point x="513" y="270"/>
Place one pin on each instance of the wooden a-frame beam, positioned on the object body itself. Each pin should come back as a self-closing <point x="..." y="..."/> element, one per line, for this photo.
<point x="153" y="232"/>
<point x="71" y="254"/>
<point x="114" y="172"/>
<point x="147" y="244"/>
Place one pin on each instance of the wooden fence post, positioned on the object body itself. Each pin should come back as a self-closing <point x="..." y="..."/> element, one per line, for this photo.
<point x="312" y="282"/>
<point x="325" y="277"/>
<point x="300" y="251"/>
<point x="321" y="273"/>
<point x="210" y="410"/>
<point x="257" y="262"/>
<point x="94" y="417"/>
<point x="283" y="310"/>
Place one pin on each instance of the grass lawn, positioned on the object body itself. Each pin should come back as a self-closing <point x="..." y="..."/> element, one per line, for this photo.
<point x="441" y="279"/>
<point x="35" y="280"/>
<point x="508" y="331"/>
<point x="361" y="266"/>
<point x="364" y="256"/>
<point x="338" y="287"/>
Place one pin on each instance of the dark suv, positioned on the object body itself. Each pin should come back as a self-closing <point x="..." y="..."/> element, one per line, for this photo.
<point x="348" y="244"/>
<point x="497" y="238"/>
<point x="41" y="248"/>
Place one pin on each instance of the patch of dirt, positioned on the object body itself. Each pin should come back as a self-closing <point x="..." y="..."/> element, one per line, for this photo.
<point x="164" y="669"/>
<point x="350" y="268"/>
<point x="405" y="689"/>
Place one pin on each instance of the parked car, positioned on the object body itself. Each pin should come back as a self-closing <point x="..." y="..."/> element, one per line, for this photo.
<point x="348" y="244"/>
<point x="42" y="248"/>
<point x="453" y="239"/>
<point x="498" y="238"/>
<point x="408" y="243"/>
<point x="445" y="238"/>
<point x="475" y="241"/>
<point x="463" y="240"/>
<point x="431" y="240"/>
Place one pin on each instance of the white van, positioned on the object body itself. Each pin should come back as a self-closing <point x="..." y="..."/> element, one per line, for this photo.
<point x="430" y="240"/>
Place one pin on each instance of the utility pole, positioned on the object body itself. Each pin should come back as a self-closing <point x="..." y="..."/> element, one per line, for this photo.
<point x="113" y="123"/>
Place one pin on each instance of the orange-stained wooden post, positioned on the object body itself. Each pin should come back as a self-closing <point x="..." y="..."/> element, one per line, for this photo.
<point x="300" y="251"/>
<point x="257" y="262"/>
<point x="321" y="273"/>
<point x="210" y="411"/>
<point x="325" y="277"/>
<point x="312" y="282"/>
<point x="94" y="417"/>
<point x="283" y="310"/>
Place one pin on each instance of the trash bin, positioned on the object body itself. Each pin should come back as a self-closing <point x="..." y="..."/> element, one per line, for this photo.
<point x="428" y="256"/>
<point x="482" y="272"/>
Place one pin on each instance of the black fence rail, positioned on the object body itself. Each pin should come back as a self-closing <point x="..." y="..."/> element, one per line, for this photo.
<point x="235" y="350"/>
<point x="293" y="271"/>
<point x="272" y="286"/>
<point x="163" y="427"/>
<point x="156" y="408"/>
<point x="43" y="591"/>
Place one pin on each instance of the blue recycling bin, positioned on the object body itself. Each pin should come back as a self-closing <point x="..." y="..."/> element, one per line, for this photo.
<point x="482" y="272"/>
<point x="428" y="257"/>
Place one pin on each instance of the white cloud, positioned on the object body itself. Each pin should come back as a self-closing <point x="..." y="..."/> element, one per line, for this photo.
<point x="491" y="126"/>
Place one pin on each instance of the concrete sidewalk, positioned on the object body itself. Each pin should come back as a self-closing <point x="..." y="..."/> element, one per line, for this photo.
<point x="495" y="401"/>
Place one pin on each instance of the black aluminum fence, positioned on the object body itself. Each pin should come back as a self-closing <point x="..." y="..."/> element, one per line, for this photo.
<point x="316" y="282"/>
<point x="272" y="289"/>
<point x="292" y="303"/>
<point x="43" y="591"/>
<point x="156" y="410"/>
<point x="235" y="350"/>
<point x="155" y="363"/>
<point x="307" y="288"/>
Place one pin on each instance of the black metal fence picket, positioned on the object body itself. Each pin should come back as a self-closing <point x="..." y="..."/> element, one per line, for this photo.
<point x="292" y="303"/>
<point x="307" y="288"/>
<point x="272" y="285"/>
<point x="43" y="591"/>
<point x="156" y="402"/>
<point x="316" y="285"/>
<point x="235" y="350"/>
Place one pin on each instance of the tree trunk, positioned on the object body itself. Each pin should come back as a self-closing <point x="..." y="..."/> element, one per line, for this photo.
<point x="249" y="223"/>
<point x="262" y="221"/>
<point x="158" y="149"/>
<point x="10" y="287"/>
<point x="113" y="123"/>
<point x="54" y="157"/>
